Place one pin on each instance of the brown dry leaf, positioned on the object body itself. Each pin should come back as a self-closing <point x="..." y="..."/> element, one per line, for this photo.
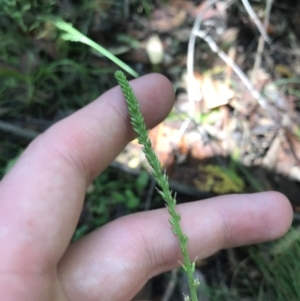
<point x="201" y="151"/>
<point x="283" y="155"/>
<point x="187" y="6"/>
<point x="215" y="92"/>
<point x="137" y="55"/>
<point x="259" y="78"/>
<point x="162" y="138"/>
<point x="167" y="18"/>
<point x="284" y="71"/>
<point x="193" y="10"/>
<point x="230" y="35"/>
<point x="270" y="159"/>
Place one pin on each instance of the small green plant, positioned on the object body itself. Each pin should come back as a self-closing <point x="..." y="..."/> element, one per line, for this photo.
<point x="72" y="34"/>
<point x="138" y="124"/>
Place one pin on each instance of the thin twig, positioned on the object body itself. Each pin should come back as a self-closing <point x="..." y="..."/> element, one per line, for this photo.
<point x="256" y="20"/>
<point x="17" y="131"/>
<point x="191" y="55"/>
<point x="171" y="286"/>
<point x="261" y="41"/>
<point x="190" y="71"/>
<point x="190" y="66"/>
<point x="214" y="47"/>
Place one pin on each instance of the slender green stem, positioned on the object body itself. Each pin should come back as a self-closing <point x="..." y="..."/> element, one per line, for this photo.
<point x="138" y="124"/>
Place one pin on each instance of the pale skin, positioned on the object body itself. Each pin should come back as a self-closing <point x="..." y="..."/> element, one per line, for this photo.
<point x="42" y="196"/>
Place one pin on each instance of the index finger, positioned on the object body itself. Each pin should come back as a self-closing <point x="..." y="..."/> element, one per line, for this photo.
<point x="41" y="198"/>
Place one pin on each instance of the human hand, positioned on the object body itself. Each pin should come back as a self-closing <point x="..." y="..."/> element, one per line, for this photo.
<point x="42" y="196"/>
